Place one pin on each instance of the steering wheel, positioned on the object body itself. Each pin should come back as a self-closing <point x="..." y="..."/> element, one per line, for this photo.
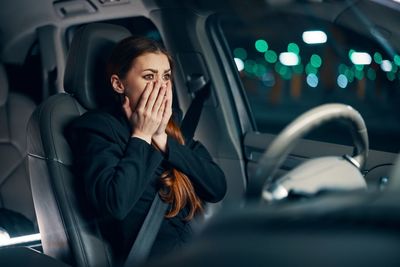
<point x="323" y="172"/>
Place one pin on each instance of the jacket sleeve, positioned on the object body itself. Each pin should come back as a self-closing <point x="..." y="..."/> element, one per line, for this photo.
<point x="115" y="177"/>
<point x="195" y="161"/>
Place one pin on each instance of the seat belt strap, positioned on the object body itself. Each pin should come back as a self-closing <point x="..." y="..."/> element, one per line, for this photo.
<point x="147" y="234"/>
<point x="192" y="116"/>
<point x="151" y="225"/>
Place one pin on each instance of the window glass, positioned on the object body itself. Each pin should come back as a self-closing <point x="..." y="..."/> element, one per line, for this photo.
<point x="290" y="64"/>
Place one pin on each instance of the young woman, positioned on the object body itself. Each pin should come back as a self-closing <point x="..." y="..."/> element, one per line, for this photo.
<point x="134" y="150"/>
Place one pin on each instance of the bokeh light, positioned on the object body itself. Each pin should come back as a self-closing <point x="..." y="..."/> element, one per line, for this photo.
<point x="310" y="69"/>
<point x="397" y="60"/>
<point x="261" y="45"/>
<point x="298" y="68"/>
<point x="371" y="74"/>
<point x="378" y="58"/>
<point x="240" y="53"/>
<point x="314" y="37"/>
<point x="315" y="61"/>
<point x="294" y="48"/>
<point x="342" y="81"/>
<point x="312" y="80"/>
<point x="360" y="58"/>
<point x="289" y="58"/>
<point x="270" y="56"/>
<point x="386" y="65"/>
<point x="239" y="64"/>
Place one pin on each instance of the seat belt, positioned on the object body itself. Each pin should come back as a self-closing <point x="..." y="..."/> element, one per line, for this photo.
<point x="144" y="241"/>
<point x="152" y="223"/>
<point x="200" y="88"/>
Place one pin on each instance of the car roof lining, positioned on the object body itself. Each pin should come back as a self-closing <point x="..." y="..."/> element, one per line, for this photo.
<point x="17" y="38"/>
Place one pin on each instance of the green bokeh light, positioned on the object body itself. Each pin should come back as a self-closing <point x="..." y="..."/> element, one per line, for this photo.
<point x="378" y="58"/>
<point x="391" y="76"/>
<point x="249" y="66"/>
<point x="371" y="74"/>
<point x="260" y="70"/>
<point x="278" y="67"/>
<point x="351" y="51"/>
<point x="315" y="61"/>
<point x="310" y="69"/>
<point x="286" y="73"/>
<point x="359" y="67"/>
<point x="394" y="67"/>
<point x="349" y="75"/>
<point x="298" y="68"/>
<point x="359" y="74"/>
<point x="270" y="56"/>
<point x="397" y="60"/>
<point x="240" y="53"/>
<point x="294" y="48"/>
<point x="343" y="68"/>
<point x="261" y="45"/>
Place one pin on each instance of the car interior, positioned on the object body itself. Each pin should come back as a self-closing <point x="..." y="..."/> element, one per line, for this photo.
<point x="306" y="131"/>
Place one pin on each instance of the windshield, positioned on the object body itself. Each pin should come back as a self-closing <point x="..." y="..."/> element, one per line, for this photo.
<point x="290" y="62"/>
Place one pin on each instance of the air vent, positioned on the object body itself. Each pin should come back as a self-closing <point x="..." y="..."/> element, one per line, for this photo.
<point x="113" y="2"/>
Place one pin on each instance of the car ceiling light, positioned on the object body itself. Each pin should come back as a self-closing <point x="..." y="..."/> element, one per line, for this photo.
<point x="289" y="59"/>
<point x="360" y="58"/>
<point x="239" y="64"/>
<point x="314" y="37"/>
<point x="386" y="65"/>
<point x="20" y="239"/>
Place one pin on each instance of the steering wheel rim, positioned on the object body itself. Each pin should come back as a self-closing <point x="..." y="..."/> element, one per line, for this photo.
<point x="283" y="144"/>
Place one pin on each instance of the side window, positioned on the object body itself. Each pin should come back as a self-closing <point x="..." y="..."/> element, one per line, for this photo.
<point x="26" y="78"/>
<point x="289" y="64"/>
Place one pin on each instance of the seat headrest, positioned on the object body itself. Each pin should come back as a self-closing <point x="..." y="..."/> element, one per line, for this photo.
<point x="85" y="72"/>
<point x="3" y="85"/>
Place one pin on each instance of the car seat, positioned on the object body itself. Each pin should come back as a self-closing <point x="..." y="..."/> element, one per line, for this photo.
<point x="17" y="215"/>
<point x="67" y="225"/>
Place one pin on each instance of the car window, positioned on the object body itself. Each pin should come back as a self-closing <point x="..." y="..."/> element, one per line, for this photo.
<point x="289" y="64"/>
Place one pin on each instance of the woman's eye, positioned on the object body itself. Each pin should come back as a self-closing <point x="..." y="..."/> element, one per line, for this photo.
<point x="148" y="77"/>
<point x="167" y="77"/>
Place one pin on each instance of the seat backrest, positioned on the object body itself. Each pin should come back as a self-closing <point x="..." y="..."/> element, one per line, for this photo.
<point x="68" y="227"/>
<point x="15" y="191"/>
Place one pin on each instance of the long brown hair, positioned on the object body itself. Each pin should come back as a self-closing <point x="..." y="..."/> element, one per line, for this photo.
<point x="178" y="189"/>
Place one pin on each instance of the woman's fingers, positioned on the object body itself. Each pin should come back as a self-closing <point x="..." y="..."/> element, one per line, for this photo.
<point x="169" y="94"/>
<point x="145" y="96"/>
<point x="153" y="96"/>
<point x="160" y="99"/>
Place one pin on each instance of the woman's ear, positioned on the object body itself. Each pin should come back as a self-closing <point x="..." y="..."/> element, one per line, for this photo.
<point x="117" y="84"/>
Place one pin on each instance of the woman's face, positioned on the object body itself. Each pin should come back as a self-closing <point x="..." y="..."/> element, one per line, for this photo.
<point x="149" y="67"/>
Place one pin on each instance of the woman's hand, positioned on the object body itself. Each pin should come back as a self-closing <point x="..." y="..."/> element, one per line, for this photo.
<point x="149" y="111"/>
<point x="160" y="136"/>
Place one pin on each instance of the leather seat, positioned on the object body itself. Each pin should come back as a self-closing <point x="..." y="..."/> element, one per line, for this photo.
<point x="68" y="228"/>
<point x="15" y="192"/>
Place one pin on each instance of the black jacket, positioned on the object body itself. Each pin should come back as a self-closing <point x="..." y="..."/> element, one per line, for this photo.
<point x="121" y="174"/>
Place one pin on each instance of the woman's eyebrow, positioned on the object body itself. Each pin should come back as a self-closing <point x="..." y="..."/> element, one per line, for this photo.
<point x="156" y="71"/>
